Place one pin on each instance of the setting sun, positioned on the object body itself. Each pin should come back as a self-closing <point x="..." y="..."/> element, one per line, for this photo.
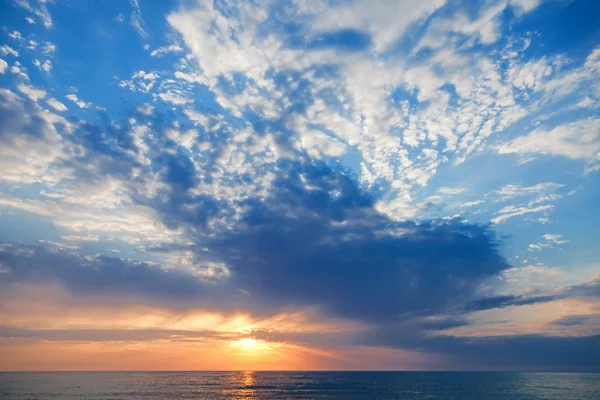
<point x="248" y="343"/>
<point x="251" y="346"/>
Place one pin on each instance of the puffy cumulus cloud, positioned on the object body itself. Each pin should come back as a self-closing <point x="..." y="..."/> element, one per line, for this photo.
<point x="3" y="66"/>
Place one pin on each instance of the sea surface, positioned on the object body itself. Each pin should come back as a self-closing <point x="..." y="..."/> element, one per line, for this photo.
<point x="299" y="385"/>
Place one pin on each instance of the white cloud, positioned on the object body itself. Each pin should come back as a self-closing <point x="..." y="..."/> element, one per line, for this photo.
<point x="549" y="241"/>
<point x="514" y="190"/>
<point x="31" y="141"/>
<point x="46" y="66"/>
<point x="530" y="76"/>
<point x="57" y="105"/>
<point x="577" y="140"/>
<point x="385" y="20"/>
<point x="49" y="48"/>
<point x="6" y="50"/>
<point x="136" y="19"/>
<point x="16" y="35"/>
<point x="512" y="211"/>
<point x="40" y="10"/>
<point x="556" y="239"/>
<point x="3" y="66"/>
<point x="470" y="203"/>
<point x="146" y="109"/>
<point x="225" y="41"/>
<point x="174" y="98"/>
<point x="174" y="48"/>
<point x="317" y="144"/>
<point x="450" y="191"/>
<point x="81" y="238"/>
<point x="140" y="81"/>
<point x="80" y="103"/>
<point x="31" y="92"/>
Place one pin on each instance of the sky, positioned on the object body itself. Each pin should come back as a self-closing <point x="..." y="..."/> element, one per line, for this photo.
<point x="300" y="185"/>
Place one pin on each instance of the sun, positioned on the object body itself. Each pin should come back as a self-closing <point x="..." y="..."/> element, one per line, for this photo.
<point x="252" y="346"/>
<point x="247" y="343"/>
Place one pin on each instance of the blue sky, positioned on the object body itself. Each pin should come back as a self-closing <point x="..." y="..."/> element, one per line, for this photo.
<point x="424" y="174"/>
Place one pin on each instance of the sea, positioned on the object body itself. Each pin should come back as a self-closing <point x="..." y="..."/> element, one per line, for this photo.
<point x="299" y="385"/>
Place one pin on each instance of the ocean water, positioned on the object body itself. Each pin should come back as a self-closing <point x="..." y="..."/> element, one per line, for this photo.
<point x="299" y="385"/>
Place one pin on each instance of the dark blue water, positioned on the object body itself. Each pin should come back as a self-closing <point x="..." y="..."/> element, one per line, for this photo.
<point x="299" y="385"/>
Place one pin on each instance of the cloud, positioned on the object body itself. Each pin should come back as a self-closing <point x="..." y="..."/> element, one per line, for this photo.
<point x="576" y="140"/>
<point x="3" y="66"/>
<point x="32" y="92"/>
<point x="136" y="19"/>
<point x="161" y="51"/>
<point x="385" y="21"/>
<point x="550" y="240"/>
<point x="526" y="352"/>
<point x="450" y="191"/>
<point x="511" y="191"/>
<point x="30" y="137"/>
<point x="308" y="247"/>
<point x="174" y="98"/>
<point x="80" y="103"/>
<point x="46" y="66"/>
<point x="512" y="211"/>
<point x="100" y="275"/>
<point x="40" y="10"/>
<point x="556" y="239"/>
<point x="57" y="105"/>
<point x="281" y="162"/>
<point x="470" y="203"/>
<point x="6" y="50"/>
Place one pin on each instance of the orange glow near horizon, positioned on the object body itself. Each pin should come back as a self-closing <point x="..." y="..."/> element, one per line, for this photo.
<point x="61" y="333"/>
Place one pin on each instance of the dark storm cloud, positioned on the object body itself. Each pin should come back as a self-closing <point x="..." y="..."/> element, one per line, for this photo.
<point x="319" y="241"/>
